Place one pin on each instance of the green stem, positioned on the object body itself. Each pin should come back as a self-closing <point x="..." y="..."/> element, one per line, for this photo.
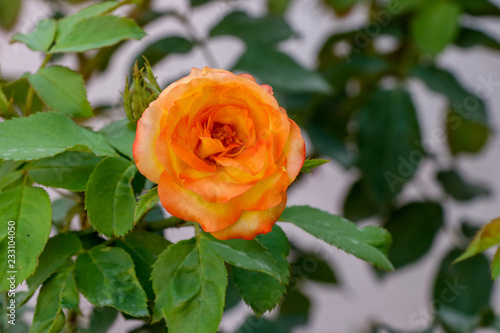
<point x="197" y="230"/>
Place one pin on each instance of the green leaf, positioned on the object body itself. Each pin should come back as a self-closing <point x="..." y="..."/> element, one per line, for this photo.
<point x="261" y="291"/>
<point x="389" y="144"/>
<point x="109" y="198"/>
<point x="10" y="179"/>
<point x="41" y="38"/>
<point x="435" y="16"/>
<point x="67" y="24"/>
<point x="469" y="37"/>
<point x="258" y="32"/>
<point x="9" y="12"/>
<point x="121" y="135"/>
<point x="46" y="134"/>
<point x="145" y="203"/>
<point x="18" y="91"/>
<point x="413" y="228"/>
<point x="465" y="135"/>
<point x="97" y="32"/>
<point x="312" y="267"/>
<point x="369" y="243"/>
<point x="49" y="302"/>
<point x="325" y="143"/>
<point x="247" y="254"/>
<point x="189" y="281"/>
<point x="342" y="5"/>
<point x="159" y="327"/>
<point x="144" y="248"/>
<point x="56" y="252"/>
<point x="106" y="277"/>
<point x="101" y="319"/>
<point x="458" y="188"/>
<point x="280" y="71"/>
<point x="70" y="170"/>
<point x="161" y="48"/>
<point x="295" y="309"/>
<point x="62" y="90"/>
<point x="464" y="288"/>
<point x="495" y="265"/>
<point x="29" y="207"/>
<point x="312" y="163"/>
<point x="261" y="325"/>
<point x="195" y="3"/>
<point x="480" y="8"/>
<point x="488" y="236"/>
<point x="278" y="7"/>
<point x="358" y="203"/>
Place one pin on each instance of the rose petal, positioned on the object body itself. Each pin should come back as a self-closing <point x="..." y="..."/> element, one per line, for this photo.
<point x="190" y="206"/>
<point x="253" y="223"/>
<point x="295" y="151"/>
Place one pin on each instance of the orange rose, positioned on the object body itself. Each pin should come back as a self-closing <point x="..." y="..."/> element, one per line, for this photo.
<point x="222" y="152"/>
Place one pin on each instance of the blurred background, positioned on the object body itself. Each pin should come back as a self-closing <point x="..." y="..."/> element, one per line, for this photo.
<point x="402" y="95"/>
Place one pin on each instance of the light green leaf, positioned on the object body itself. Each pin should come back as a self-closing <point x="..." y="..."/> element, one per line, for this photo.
<point x="97" y="32"/>
<point x="49" y="302"/>
<point x="254" y="31"/>
<point x="280" y="71"/>
<point x="495" y="265"/>
<point x="9" y="179"/>
<point x="261" y="291"/>
<point x="41" y="38"/>
<point x="417" y="224"/>
<point x="312" y="163"/>
<point x="56" y="252"/>
<point x="247" y="254"/>
<point x="62" y="90"/>
<point x="29" y="207"/>
<point x="369" y="243"/>
<point x="435" y="26"/>
<point x="9" y="12"/>
<point x="488" y="236"/>
<point x="189" y="281"/>
<point x="145" y="203"/>
<point x="70" y="170"/>
<point x="106" y="277"/>
<point x="66" y="24"/>
<point x="278" y="7"/>
<point x="389" y="142"/>
<point x="46" y="134"/>
<point x="121" y="135"/>
<point x="144" y="248"/>
<point x="109" y="198"/>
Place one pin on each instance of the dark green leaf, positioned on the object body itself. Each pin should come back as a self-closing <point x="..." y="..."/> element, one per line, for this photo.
<point x="312" y="163"/>
<point x="153" y="328"/>
<point x="469" y="37"/>
<point x="109" y="198"/>
<point x="56" y="252"/>
<point x="101" y="319"/>
<point x="261" y="325"/>
<point x="49" y="302"/>
<point x="97" y="32"/>
<point x="436" y="16"/>
<point x="325" y="143"/>
<point x="41" y="38"/>
<point x="389" y="144"/>
<point x="295" y="309"/>
<point x="261" y="291"/>
<point x="312" y="267"/>
<point x="480" y="7"/>
<point x="247" y="254"/>
<point x="9" y="12"/>
<point x="189" y="281"/>
<point x="232" y="296"/>
<point x="464" y="287"/>
<point x="458" y="188"/>
<point x="256" y="32"/>
<point x="413" y="228"/>
<point x="465" y="135"/>
<point x="195" y="3"/>
<point x="358" y="203"/>
<point x="280" y="71"/>
<point x="70" y="170"/>
<point x="145" y="203"/>
<point x="46" y="134"/>
<point x="369" y="243"/>
<point x="29" y="207"/>
<point x="121" y="135"/>
<point x="106" y="277"/>
<point x="144" y="248"/>
<point x="66" y="24"/>
<point x="161" y="48"/>
<point x="62" y="90"/>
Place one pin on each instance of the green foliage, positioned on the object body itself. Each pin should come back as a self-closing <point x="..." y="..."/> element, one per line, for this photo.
<point x="454" y="185"/>
<point x="145" y="203"/>
<point x="9" y="12"/>
<point x="109" y="198"/>
<point x="41" y="38"/>
<point x="106" y="277"/>
<point x="121" y="135"/>
<point x="312" y="163"/>
<point x="369" y="243"/>
<point x="29" y="207"/>
<point x="161" y="48"/>
<point x="62" y="90"/>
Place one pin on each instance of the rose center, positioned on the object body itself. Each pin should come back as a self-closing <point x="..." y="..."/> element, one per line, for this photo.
<point x="226" y="135"/>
